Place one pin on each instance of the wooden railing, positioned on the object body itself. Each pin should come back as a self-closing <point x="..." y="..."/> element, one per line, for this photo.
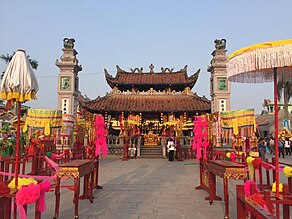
<point x="247" y="208"/>
<point x="7" y="165"/>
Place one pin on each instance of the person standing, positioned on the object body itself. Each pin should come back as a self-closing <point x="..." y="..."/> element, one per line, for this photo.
<point x="272" y="145"/>
<point x="170" y="148"/>
<point x="262" y="149"/>
<point x="287" y="146"/>
<point x="281" y="148"/>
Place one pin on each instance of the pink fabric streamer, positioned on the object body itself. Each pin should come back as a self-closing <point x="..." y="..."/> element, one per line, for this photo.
<point x="57" y="157"/>
<point x="31" y="194"/>
<point x="100" y="133"/>
<point x="52" y="163"/>
<point x="256" y="196"/>
<point x="44" y="187"/>
<point x="247" y="185"/>
<point x="48" y="160"/>
<point x="200" y="139"/>
<point x="268" y="166"/>
<point x="29" y="176"/>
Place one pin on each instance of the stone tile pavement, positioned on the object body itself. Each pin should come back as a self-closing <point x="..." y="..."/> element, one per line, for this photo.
<point x="145" y="188"/>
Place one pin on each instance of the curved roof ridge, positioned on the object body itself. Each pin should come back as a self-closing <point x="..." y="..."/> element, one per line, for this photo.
<point x="166" y="77"/>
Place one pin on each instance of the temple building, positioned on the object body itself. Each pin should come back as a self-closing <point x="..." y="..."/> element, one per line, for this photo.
<point x="148" y="97"/>
<point x="152" y="104"/>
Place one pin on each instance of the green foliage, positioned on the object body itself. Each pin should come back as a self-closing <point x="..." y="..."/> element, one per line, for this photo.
<point x="6" y="127"/>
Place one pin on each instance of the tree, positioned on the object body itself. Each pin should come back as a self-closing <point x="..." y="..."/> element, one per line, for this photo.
<point x="285" y="89"/>
<point x="7" y="58"/>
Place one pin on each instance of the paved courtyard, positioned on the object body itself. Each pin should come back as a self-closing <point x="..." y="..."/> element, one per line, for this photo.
<point x="146" y="188"/>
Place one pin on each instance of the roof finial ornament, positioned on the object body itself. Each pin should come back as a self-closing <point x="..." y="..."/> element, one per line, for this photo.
<point x="151" y="68"/>
<point x="137" y="70"/>
<point x="118" y="68"/>
<point x="166" y="70"/>
<point x="184" y="69"/>
<point x="68" y="43"/>
<point x="220" y="44"/>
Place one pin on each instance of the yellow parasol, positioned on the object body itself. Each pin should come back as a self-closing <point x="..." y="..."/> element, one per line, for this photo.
<point x="264" y="62"/>
<point x="19" y="84"/>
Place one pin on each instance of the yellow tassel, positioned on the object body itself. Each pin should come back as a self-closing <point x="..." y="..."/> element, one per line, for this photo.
<point x="287" y="171"/>
<point x="280" y="187"/>
<point x="250" y="167"/>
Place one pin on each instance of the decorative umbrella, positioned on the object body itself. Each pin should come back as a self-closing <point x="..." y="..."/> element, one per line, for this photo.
<point x="19" y="84"/>
<point x="264" y="62"/>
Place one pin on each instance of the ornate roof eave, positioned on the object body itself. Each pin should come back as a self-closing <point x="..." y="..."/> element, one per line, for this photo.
<point x="119" y="70"/>
<point x="110" y="105"/>
<point x="109" y="78"/>
<point x="85" y="102"/>
<point x="193" y="78"/>
<point x="114" y="81"/>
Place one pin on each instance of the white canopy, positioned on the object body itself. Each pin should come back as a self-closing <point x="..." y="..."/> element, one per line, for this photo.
<point x="19" y="82"/>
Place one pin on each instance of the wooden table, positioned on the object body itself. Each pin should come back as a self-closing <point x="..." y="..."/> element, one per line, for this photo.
<point x="226" y="170"/>
<point x="76" y="169"/>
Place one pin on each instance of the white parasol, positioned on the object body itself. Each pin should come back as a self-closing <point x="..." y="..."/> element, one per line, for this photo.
<point x="19" y="84"/>
<point x="264" y="62"/>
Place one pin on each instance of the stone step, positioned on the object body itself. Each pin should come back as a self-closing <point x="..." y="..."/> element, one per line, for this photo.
<point x="151" y="156"/>
<point x="151" y="152"/>
<point x="151" y="149"/>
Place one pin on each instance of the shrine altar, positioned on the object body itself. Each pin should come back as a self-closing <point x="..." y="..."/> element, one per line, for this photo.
<point x="151" y="139"/>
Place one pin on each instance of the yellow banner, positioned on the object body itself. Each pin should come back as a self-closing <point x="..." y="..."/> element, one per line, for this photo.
<point x="235" y="119"/>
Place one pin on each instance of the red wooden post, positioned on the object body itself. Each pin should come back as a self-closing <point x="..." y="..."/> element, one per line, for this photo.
<point x="201" y="175"/>
<point x="276" y="132"/>
<point x="290" y="184"/>
<point x="261" y="178"/>
<point x="178" y="149"/>
<point x="274" y="173"/>
<point x="126" y="145"/>
<point x="192" y="153"/>
<point x="2" y="206"/>
<point x="8" y="206"/>
<point x="226" y="196"/>
<point x="96" y="166"/>
<point x="239" y="203"/>
<point x="37" y="214"/>
<point x="243" y="158"/>
<point x="286" y="207"/>
<point x="268" y="175"/>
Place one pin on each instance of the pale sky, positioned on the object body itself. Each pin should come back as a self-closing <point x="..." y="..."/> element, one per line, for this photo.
<point x="136" y="33"/>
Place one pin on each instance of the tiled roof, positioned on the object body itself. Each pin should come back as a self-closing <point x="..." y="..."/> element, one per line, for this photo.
<point x="262" y="120"/>
<point x="149" y="103"/>
<point x="161" y="78"/>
